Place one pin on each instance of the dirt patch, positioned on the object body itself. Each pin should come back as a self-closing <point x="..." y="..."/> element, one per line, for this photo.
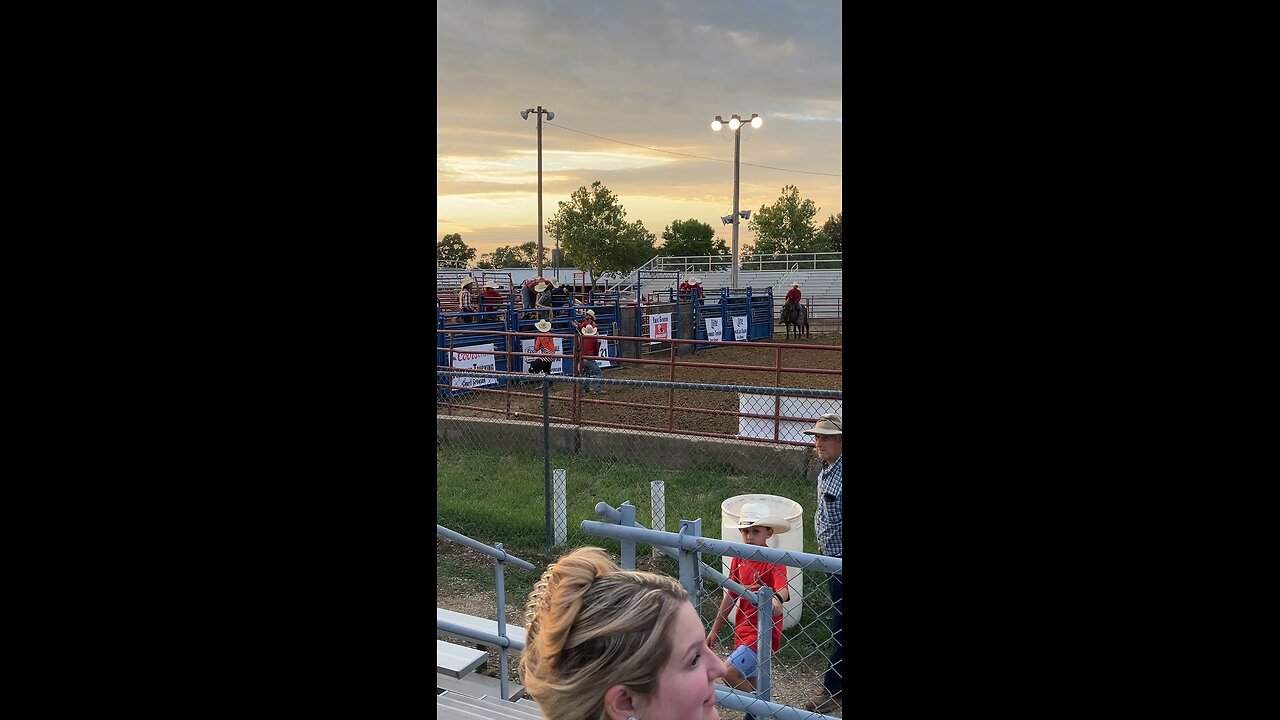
<point x="618" y="405"/>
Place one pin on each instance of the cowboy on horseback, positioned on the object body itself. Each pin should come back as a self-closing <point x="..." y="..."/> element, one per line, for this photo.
<point x="793" y="313"/>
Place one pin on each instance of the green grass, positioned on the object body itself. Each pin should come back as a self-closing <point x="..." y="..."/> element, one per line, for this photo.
<point x="495" y="497"/>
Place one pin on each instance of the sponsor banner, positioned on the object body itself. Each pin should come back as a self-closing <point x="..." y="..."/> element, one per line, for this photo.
<point x="473" y="359"/>
<point x="715" y="329"/>
<point x="740" y="328"/>
<point x="604" y="350"/>
<point x="660" y="326"/>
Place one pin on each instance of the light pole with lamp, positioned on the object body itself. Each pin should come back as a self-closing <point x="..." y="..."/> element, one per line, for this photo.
<point x="735" y="124"/>
<point x="550" y="116"/>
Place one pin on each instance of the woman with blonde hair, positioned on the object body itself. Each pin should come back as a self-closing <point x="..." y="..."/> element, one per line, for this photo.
<point x="609" y="644"/>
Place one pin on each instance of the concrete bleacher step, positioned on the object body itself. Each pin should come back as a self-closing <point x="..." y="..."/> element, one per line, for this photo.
<point x="478" y="685"/>
<point x="452" y="704"/>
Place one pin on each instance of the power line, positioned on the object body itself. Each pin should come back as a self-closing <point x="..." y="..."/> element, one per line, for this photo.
<point x="696" y="157"/>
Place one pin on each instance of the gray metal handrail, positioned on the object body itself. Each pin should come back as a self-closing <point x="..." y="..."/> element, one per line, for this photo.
<point x="500" y="558"/>
<point x="684" y="546"/>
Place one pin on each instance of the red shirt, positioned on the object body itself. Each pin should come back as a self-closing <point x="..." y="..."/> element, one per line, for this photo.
<point x="793" y="294"/>
<point x="753" y="574"/>
<point x="590" y="345"/>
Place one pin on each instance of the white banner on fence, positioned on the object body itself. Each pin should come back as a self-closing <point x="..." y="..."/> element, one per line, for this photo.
<point x="715" y="329"/>
<point x="557" y="364"/>
<point x="660" y="326"/>
<point x="740" y="327"/>
<point x="604" y="350"/>
<point x="791" y="406"/>
<point x="473" y="359"/>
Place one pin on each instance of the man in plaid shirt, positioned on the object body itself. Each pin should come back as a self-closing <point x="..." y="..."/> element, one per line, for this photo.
<point x="828" y="439"/>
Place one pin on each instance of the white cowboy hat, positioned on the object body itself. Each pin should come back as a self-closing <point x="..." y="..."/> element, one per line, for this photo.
<point x="467" y="281"/>
<point x="795" y="284"/>
<point x="758" y="514"/>
<point x="542" y="325"/>
<point x="829" y="424"/>
<point x="542" y="285"/>
<point x="696" y="281"/>
<point x="592" y="313"/>
<point x="491" y="285"/>
<point x="589" y="330"/>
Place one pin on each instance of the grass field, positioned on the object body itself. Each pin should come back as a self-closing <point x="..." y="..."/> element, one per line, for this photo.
<point x="496" y="497"/>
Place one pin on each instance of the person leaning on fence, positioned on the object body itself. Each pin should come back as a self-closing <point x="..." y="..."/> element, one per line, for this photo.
<point x="466" y="305"/>
<point x="619" y="644"/>
<point x="545" y="290"/>
<point x="756" y="526"/>
<point x="590" y="347"/>
<point x="588" y="318"/>
<point x="828" y="521"/>
<point x="543" y="344"/>
<point x="527" y="296"/>
<point x="697" y="287"/>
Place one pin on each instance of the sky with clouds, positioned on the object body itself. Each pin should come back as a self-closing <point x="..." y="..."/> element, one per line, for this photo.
<point x="628" y="81"/>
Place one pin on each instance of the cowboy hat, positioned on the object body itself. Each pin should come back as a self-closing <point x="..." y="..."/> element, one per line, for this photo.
<point x="829" y="424"/>
<point x="542" y="285"/>
<point x="467" y="281"/>
<point x="491" y="285"/>
<point x="589" y="330"/>
<point x="696" y="281"/>
<point x="592" y="313"/>
<point x="543" y="325"/>
<point x="795" y="284"/>
<point x="758" y="514"/>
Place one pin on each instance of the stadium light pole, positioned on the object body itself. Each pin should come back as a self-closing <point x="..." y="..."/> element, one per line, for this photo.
<point x="550" y="116"/>
<point x="735" y="124"/>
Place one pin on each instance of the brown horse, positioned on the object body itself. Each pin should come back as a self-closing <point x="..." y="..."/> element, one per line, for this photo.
<point x="795" y="314"/>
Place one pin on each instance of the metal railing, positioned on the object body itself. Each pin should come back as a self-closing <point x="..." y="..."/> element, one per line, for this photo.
<point x="501" y="641"/>
<point x="685" y="547"/>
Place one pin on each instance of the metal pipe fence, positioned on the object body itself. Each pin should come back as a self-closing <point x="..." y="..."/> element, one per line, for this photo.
<point x="686" y="547"/>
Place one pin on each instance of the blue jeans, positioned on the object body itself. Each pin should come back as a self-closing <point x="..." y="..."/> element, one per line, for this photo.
<point x="593" y="370"/>
<point x="833" y="681"/>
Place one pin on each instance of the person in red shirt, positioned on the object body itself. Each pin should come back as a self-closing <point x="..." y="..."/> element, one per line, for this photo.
<point x="491" y="299"/>
<point x="697" y="287"/>
<point x="543" y="344"/>
<point x="756" y="526"/>
<point x="588" y="318"/>
<point x="794" y="293"/>
<point x="590" y="347"/>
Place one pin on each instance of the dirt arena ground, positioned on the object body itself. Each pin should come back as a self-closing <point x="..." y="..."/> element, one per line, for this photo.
<point x="607" y="408"/>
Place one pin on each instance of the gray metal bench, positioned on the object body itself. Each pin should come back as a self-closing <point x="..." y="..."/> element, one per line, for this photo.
<point x="515" y="633"/>
<point x="456" y="661"/>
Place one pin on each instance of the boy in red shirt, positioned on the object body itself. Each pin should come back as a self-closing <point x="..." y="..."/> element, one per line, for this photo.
<point x="757" y="526"/>
<point x="590" y="347"/>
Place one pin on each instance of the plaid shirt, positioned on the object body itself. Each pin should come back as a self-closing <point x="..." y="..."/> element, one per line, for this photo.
<point x="829" y="520"/>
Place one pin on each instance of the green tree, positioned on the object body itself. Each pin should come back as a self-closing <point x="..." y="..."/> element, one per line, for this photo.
<point x="691" y="237"/>
<point x="529" y="253"/>
<point x="592" y="228"/>
<point x="507" y="256"/>
<point x="484" y="263"/>
<point x="785" y="226"/>
<point x="832" y="232"/>
<point x="453" y="251"/>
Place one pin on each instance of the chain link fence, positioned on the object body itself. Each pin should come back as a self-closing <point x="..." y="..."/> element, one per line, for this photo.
<point x="528" y="478"/>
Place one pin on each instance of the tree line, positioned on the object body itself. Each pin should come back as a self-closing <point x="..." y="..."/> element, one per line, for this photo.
<point x="596" y="237"/>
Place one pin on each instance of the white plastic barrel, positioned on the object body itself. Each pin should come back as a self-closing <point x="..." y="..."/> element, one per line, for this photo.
<point x="788" y="510"/>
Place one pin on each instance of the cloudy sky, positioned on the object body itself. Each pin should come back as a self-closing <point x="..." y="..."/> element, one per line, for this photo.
<point x="645" y="78"/>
